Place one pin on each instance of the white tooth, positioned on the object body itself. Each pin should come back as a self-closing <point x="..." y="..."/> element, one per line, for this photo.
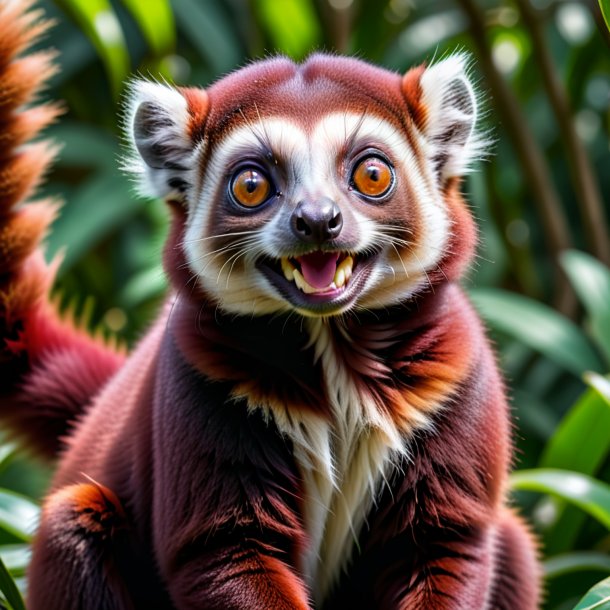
<point x="344" y="271"/>
<point x="288" y="269"/>
<point x="302" y="284"/>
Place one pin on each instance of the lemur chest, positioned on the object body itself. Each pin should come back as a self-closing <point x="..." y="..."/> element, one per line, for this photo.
<point x="344" y="457"/>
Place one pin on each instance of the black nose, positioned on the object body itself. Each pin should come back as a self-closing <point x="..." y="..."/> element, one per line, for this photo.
<point x="317" y="221"/>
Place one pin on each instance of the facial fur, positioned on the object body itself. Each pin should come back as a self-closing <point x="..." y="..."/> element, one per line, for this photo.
<point x="304" y="131"/>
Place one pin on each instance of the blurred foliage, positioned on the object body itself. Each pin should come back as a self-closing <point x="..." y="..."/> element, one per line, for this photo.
<point x="543" y="68"/>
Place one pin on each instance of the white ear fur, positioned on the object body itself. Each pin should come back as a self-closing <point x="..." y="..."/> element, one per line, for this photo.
<point x="452" y="112"/>
<point x="156" y="123"/>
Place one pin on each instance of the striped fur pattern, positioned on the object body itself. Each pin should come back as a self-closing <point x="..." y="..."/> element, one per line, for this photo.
<point x="49" y="369"/>
<point x="315" y="420"/>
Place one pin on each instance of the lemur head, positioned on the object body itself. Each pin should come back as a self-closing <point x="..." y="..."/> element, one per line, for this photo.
<point x="321" y="187"/>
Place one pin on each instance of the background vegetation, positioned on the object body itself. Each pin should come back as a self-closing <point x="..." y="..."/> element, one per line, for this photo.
<point x="541" y="279"/>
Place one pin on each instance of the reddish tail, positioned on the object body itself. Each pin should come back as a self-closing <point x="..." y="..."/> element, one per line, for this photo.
<point x="49" y="369"/>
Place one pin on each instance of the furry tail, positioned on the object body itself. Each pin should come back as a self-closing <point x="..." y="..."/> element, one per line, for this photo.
<point x="49" y="369"/>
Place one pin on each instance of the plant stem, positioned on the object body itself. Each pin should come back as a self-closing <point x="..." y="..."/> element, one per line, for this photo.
<point x="532" y="161"/>
<point x="585" y="185"/>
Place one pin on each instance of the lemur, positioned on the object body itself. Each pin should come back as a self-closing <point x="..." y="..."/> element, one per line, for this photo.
<point x="316" y="418"/>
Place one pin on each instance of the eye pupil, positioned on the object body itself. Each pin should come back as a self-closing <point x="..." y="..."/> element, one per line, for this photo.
<point x="373" y="177"/>
<point x="250" y="188"/>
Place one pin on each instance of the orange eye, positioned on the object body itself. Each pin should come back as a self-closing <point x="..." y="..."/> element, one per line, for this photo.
<point x="373" y="177"/>
<point x="250" y="188"/>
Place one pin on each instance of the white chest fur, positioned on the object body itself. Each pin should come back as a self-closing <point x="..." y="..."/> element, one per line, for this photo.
<point x="343" y="460"/>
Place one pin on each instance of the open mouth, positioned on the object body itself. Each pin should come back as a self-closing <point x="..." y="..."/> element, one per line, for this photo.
<point x="319" y="272"/>
<point x="322" y="282"/>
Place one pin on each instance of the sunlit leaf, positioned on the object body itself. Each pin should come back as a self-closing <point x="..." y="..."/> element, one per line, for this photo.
<point x="588" y="494"/>
<point x="143" y="286"/>
<point x="18" y="514"/>
<point x="156" y="20"/>
<point x="539" y="327"/>
<point x="580" y="443"/>
<point x="568" y="563"/>
<point x="7" y="453"/>
<point x="16" y="558"/>
<point x="99" y="22"/>
<point x="294" y="29"/>
<point x="9" y="589"/>
<point x="597" y="598"/>
<point x="591" y="281"/>
<point x="605" y="6"/>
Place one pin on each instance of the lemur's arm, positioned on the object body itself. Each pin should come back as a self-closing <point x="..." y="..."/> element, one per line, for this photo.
<point x="49" y="370"/>
<point x="228" y="536"/>
<point x="440" y="538"/>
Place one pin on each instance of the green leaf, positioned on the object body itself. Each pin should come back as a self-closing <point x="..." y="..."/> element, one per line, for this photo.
<point x="99" y="22"/>
<point x="598" y="597"/>
<point x="102" y="204"/>
<point x="16" y="558"/>
<point x="18" y="514"/>
<point x="156" y="20"/>
<point x="580" y="561"/>
<point x="10" y="590"/>
<point x="85" y="146"/>
<point x="539" y="327"/>
<point x="588" y="494"/>
<point x="294" y="29"/>
<point x="145" y="285"/>
<point x="210" y="33"/>
<point x="7" y="453"/>
<point x="591" y="281"/>
<point x="605" y="6"/>
<point x="581" y="443"/>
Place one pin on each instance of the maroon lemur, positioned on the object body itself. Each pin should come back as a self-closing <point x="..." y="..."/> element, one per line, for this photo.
<point x="315" y="420"/>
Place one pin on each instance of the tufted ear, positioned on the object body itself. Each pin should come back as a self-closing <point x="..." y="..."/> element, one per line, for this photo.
<point x="164" y="126"/>
<point x="443" y="103"/>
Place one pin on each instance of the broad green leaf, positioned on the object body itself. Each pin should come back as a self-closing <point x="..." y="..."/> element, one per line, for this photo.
<point x="100" y="205"/>
<point x="7" y="453"/>
<point x="294" y="29"/>
<point x="597" y="598"/>
<point x="588" y="494"/>
<point x="210" y="32"/>
<point x="539" y="327"/>
<point x="85" y="146"/>
<point x="600" y="384"/>
<point x="143" y="286"/>
<point x="9" y="589"/>
<point x="16" y="558"/>
<point x="591" y="281"/>
<point x="580" y="561"/>
<point x="580" y="443"/>
<point x="605" y="6"/>
<point x="18" y="514"/>
<point x="99" y="22"/>
<point x="156" y="20"/>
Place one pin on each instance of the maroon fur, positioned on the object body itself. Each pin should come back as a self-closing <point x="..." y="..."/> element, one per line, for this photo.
<point x="173" y="491"/>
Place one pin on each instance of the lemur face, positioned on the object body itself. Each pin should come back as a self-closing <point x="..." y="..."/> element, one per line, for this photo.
<point x="317" y="188"/>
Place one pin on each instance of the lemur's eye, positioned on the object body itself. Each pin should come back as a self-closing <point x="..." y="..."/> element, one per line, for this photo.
<point x="250" y="188"/>
<point x="373" y="177"/>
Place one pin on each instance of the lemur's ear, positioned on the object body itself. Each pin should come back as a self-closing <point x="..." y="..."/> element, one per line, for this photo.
<point x="164" y="125"/>
<point x="443" y="104"/>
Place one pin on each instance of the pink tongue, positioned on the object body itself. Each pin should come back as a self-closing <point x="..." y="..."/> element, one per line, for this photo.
<point x="319" y="268"/>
